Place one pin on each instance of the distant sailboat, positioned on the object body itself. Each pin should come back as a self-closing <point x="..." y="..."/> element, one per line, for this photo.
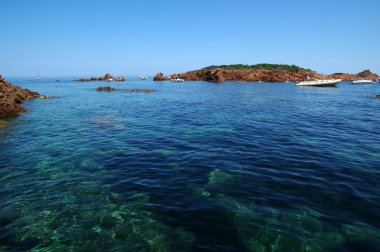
<point x="38" y="74"/>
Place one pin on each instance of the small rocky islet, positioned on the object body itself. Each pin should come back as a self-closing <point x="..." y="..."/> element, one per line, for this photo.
<point x="107" y="76"/>
<point x="12" y="96"/>
<point x="260" y="72"/>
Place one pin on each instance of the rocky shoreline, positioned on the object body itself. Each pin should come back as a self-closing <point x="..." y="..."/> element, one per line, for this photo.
<point x="104" y="78"/>
<point x="219" y="74"/>
<point x="11" y="98"/>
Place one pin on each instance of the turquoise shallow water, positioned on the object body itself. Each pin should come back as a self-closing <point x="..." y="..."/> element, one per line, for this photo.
<point x="193" y="166"/>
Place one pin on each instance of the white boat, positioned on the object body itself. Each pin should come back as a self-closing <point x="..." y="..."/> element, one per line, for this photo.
<point x="110" y="80"/>
<point x="177" y="79"/>
<point x="38" y="74"/>
<point x="362" y="81"/>
<point x="143" y="78"/>
<point x="319" y="83"/>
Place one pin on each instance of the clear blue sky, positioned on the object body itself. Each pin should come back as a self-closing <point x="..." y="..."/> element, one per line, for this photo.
<point x="91" y="37"/>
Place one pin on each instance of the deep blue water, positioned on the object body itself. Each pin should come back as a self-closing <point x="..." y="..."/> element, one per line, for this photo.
<point x="193" y="166"/>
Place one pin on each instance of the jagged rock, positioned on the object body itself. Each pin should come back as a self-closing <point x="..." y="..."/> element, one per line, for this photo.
<point x="159" y="77"/>
<point x="108" y="76"/>
<point x="11" y="97"/>
<point x="105" y="77"/>
<point x="365" y="74"/>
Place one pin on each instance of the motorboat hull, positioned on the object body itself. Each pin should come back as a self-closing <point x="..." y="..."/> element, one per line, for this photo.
<point x="362" y="82"/>
<point x="177" y="80"/>
<point x="319" y="83"/>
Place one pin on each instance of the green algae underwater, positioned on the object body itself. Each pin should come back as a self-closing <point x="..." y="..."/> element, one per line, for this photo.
<point x="213" y="168"/>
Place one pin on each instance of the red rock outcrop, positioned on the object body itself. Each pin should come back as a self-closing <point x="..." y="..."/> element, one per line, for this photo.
<point x="105" y="77"/>
<point x="159" y="77"/>
<point x="220" y="75"/>
<point x="366" y="74"/>
<point x="11" y="97"/>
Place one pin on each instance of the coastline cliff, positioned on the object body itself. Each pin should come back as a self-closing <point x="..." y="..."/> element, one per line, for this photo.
<point x="261" y="72"/>
<point x="11" y="98"/>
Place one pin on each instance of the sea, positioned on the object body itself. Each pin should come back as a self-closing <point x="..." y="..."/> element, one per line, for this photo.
<point x="193" y="166"/>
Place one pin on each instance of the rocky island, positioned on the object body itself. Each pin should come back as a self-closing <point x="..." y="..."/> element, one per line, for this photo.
<point x="260" y="72"/>
<point x="11" y="98"/>
<point x="104" y="78"/>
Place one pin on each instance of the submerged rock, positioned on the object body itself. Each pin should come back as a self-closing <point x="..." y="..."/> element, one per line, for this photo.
<point x="108" y="88"/>
<point x="11" y="97"/>
<point x="217" y="176"/>
<point x="140" y="90"/>
<point x="47" y="97"/>
<point x="3" y="123"/>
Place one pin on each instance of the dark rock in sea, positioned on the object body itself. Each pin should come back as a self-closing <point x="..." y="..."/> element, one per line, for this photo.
<point x="11" y="97"/>
<point x="140" y="90"/>
<point x="108" y="88"/>
<point x="104" y="78"/>
<point x="159" y="77"/>
<point x="377" y="96"/>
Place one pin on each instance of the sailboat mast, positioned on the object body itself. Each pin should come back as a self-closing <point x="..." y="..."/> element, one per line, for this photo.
<point x="38" y="74"/>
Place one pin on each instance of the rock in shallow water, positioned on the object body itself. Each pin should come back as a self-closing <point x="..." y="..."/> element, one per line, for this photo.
<point x="217" y="176"/>
<point x="108" y="88"/>
<point x="140" y="90"/>
<point x="47" y="97"/>
<point x="11" y="97"/>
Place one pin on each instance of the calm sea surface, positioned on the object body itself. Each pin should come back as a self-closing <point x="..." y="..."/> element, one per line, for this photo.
<point x="193" y="166"/>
